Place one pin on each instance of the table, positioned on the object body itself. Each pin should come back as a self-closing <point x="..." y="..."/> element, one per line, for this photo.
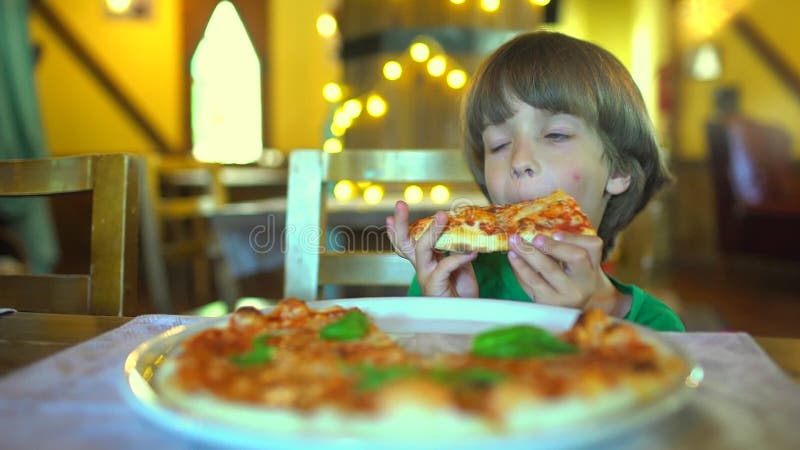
<point x="29" y="337"/>
<point x="785" y="352"/>
<point x="744" y="402"/>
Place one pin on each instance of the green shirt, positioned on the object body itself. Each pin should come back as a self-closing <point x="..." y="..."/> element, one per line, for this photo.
<point x="496" y="280"/>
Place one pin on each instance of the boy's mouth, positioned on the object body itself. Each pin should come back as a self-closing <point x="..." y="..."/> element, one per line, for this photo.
<point x="528" y="196"/>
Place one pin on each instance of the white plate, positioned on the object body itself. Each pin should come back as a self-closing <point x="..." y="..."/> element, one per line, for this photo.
<point x="403" y="317"/>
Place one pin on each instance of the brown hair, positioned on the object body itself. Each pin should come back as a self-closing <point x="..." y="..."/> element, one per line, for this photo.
<point x="558" y="73"/>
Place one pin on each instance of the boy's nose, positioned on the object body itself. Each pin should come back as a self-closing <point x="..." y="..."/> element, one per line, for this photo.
<point x="523" y="165"/>
<point x="527" y="172"/>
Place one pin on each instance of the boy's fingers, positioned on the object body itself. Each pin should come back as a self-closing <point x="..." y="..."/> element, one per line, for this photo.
<point x="447" y="265"/>
<point x="392" y="234"/>
<point x="538" y="287"/>
<point x="452" y="262"/>
<point x="578" y="253"/>
<point x="400" y="219"/>
<point x="401" y="214"/>
<point x="539" y="257"/>
<point x="426" y="243"/>
<point x="397" y="228"/>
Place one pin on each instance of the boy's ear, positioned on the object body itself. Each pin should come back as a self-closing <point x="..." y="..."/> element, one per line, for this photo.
<point x="618" y="183"/>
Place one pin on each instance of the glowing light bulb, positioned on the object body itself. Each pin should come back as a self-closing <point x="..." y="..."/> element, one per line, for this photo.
<point x="440" y="194"/>
<point x="337" y="130"/>
<point x="332" y="145"/>
<point x="344" y="190"/>
<point x="341" y="119"/>
<point x="457" y="2"/>
<point x="352" y="107"/>
<point x="419" y="51"/>
<point x="540" y="2"/>
<point x="437" y="65"/>
<point x="373" y="194"/>
<point x="332" y="92"/>
<point x="392" y="70"/>
<point x="376" y="106"/>
<point x="326" y="25"/>
<point x="118" y="6"/>
<point x="456" y="78"/>
<point x="490" y="5"/>
<point x="412" y="194"/>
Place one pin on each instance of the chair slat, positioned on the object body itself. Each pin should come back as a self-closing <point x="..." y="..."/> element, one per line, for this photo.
<point x="187" y="207"/>
<point x="34" y="177"/>
<point x="36" y="293"/>
<point x="305" y="225"/>
<point x="114" y="218"/>
<point x="387" y="166"/>
<point x="364" y="268"/>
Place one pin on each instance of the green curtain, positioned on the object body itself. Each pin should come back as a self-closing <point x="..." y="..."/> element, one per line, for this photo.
<point x="21" y="135"/>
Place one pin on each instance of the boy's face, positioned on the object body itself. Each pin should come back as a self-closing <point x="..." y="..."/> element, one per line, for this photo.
<point x="535" y="152"/>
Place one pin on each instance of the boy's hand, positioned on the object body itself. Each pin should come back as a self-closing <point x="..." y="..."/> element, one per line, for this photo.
<point x="397" y="229"/>
<point x="438" y="275"/>
<point x="565" y="271"/>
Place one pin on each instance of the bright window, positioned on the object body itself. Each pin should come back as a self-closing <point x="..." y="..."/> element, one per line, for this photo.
<point x="226" y="91"/>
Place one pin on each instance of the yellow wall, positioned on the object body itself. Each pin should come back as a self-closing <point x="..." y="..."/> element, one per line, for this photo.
<point x="141" y="56"/>
<point x="635" y="31"/>
<point x="763" y="96"/>
<point x="300" y="63"/>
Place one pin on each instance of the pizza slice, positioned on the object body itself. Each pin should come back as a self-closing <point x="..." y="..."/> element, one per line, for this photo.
<point x="487" y="229"/>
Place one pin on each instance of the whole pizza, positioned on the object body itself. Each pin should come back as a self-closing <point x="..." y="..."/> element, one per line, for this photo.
<point x="295" y="368"/>
<point x="486" y="229"/>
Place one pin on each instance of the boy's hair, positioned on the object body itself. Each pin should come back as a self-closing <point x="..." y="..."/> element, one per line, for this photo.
<point x="558" y="73"/>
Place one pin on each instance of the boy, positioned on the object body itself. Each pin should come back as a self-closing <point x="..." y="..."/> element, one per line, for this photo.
<point x="546" y="111"/>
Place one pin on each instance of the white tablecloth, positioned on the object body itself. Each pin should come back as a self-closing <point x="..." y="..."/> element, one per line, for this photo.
<point x="74" y="399"/>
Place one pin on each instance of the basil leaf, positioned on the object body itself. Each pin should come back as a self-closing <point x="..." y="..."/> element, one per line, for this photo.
<point x="260" y="353"/>
<point x="353" y="325"/>
<point x="519" y="341"/>
<point x="371" y="377"/>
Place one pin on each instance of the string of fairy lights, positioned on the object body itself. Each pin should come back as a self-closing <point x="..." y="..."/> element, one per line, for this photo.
<point x="423" y="50"/>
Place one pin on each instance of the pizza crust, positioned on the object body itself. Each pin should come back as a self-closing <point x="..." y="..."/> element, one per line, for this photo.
<point x="401" y="417"/>
<point x="404" y="416"/>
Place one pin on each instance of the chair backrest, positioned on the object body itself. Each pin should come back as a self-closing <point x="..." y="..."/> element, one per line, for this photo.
<point x="308" y="263"/>
<point x="179" y="196"/>
<point x="753" y="161"/>
<point x="724" y="198"/>
<point x="111" y="281"/>
<point x="754" y="184"/>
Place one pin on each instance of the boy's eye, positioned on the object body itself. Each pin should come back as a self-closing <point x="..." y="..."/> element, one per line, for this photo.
<point x="556" y="137"/>
<point x="498" y="147"/>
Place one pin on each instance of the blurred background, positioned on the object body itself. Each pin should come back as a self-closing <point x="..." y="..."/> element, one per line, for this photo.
<point x="214" y="95"/>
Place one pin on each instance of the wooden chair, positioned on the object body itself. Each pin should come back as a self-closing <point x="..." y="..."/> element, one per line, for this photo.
<point x="180" y="196"/>
<point x="756" y="188"/>
<point x="309" y="262"/>
<point x="111" y="281"/>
